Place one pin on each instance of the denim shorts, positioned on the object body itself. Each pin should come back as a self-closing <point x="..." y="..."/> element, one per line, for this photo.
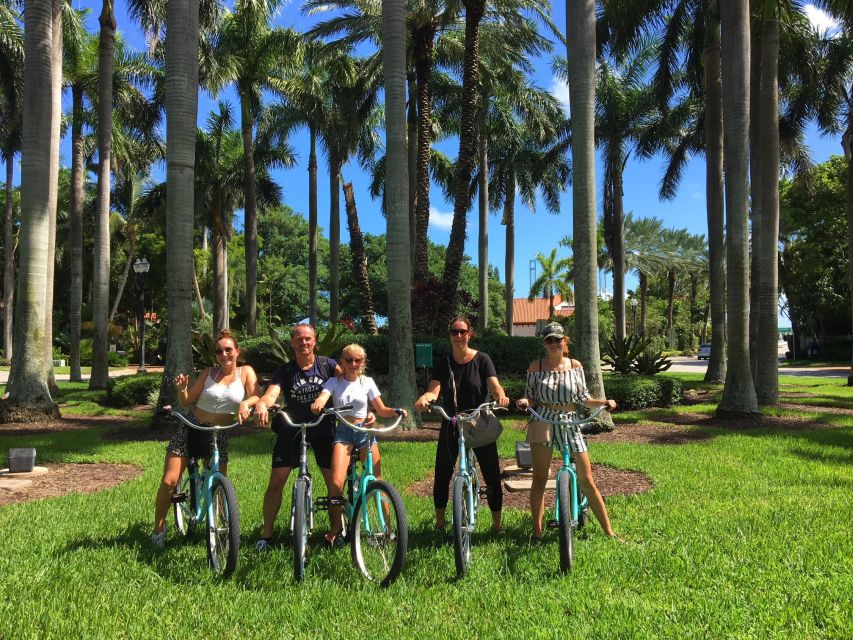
<point x="348" y="435"/>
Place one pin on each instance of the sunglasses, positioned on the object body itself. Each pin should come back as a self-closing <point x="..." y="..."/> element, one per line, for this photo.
<point x="222" y="350"/>
<point x="354" y="360"/>
<point x="552" y="340"/>
<point x="459" y="332"/>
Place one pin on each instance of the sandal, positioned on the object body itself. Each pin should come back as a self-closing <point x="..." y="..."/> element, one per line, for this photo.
<point x="335" y="539"/>
<point x="536" y="541"/>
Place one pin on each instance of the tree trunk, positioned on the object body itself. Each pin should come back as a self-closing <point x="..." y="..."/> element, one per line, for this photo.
<point x="767" y="375"/>
<point x="423" y="40"/>
<point x="312" y="227"/>
<point x="483" y="236"/>
<point x="75" y="293"/>
<point x="250" y="211"/>
<point x="580" y="39"/>
<point x="335" y="237"/>
<point x="220" y="265"/>
<point x="131" y="251"/>
<point x="509" y="258"/>
<point x="402" y="389"/>
<point x="670" y="308"/>
<point x="359" y="263"/>
<point x="739" y="391"/>
<point x="617" y="254"/>
<point x="29" y="396"/>
<point x="847" y="143"/>
<point x="464" y="161"/>
<point x="716" y="371"/>
<point x="9" y="260"/>
<point x="181" y="98"/>
<point x="101" y="269"/>
<point x="756" y="172"/>
<point x="412" y="151"/>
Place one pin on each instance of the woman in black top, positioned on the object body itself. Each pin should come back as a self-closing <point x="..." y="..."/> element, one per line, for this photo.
<point x="475" y="378"/>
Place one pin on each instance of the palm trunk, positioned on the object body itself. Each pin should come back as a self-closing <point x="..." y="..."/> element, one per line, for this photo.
<point x="334" y="237"/>
<point x="181" y="100"/>
<point x="220" y="265"/>
<point x="312" y="227"/>
<point x="464" y="162"/>
<point x="756" y="172"/>
<point x="101" y="269"/>
<point x="359" y="263"/>
<point x="509" y="258"/>
<point x="250" y="210"/>
<point x="75" y="292"/>
<point x="847" y="143"/>
<point x="29" y="397"/>
<point x="644" y="291"/>
<point x="739" y="392"/>
<point x="131" y="252"/>
<point x="580" y="39"/>
<point x="618" y="255"/>
<point x="198" y="297"/>
<point x="412" y="150"/>
<point x="402" y="389"/>
<point x="670" y="308"/>
<point x="423" y="40"/>
<point x="716" y="371"/>
<point x="483" y="236"/>
<point x="9" y="259"/>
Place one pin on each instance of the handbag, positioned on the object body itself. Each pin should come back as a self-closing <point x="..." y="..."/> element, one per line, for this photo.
<point x="486" y="429"/>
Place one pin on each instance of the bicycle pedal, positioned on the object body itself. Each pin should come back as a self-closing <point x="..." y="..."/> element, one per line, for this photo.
<point x="483" y="492"/>
<point x="322" y="503"/>
<point x="552" y="524"/>
<point x="177" y="498"/>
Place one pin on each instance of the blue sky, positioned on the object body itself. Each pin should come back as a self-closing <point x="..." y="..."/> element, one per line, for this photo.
<point x="535" y="233"/>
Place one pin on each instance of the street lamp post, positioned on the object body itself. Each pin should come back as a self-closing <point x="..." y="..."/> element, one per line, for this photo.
<point x="634" y="321"/>
<point x="140" y="268"/>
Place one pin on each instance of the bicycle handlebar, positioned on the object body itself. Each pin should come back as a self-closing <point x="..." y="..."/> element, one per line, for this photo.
<point x="468" y="416"/>
<point x="340" y="415"/>
<point x="574" y="423"/>
<point x="180" y="416"/>
<point x="306" y="425"/>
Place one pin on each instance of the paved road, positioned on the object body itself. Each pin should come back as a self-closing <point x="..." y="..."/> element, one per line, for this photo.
<point x="4" y="375"/>
<point x="692" y="365"/>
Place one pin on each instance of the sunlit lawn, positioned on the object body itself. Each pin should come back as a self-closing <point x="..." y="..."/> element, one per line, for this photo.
<point x="744" y="535"/>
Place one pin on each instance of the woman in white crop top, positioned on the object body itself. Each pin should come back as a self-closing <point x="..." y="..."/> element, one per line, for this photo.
<point x="555" y="385"/>
<point x="219" y="394"/>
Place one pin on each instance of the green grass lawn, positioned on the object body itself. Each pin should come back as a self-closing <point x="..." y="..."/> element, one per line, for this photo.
<point x="746" y="535"/>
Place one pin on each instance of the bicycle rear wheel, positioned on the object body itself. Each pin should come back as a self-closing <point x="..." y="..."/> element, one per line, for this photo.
<point x="380" y="533"/>
<point x="462" y="525"/>
<point x="564" y="522"/>
<point x="299" y="536"/>
<point x="185" y="510"/>
<point x="223" y="527"/>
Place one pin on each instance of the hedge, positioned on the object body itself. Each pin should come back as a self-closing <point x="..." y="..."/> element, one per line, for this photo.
<point x="633" y="391"/>
<point x="129" y="391"/>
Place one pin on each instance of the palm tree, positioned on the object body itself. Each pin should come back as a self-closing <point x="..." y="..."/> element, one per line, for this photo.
<point x="181" y="99"/>
<point x="254" y="57"/>
<point x="555" y="278"/>
<point x="642" y="254"/>
<point x="739" y="392"/>
<point x="27" y="387"/>
<point x="359" y="263"/>
<point x="402" y="366"/>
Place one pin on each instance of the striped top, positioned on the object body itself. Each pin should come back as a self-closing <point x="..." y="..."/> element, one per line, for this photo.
<point x="556" y="387"/>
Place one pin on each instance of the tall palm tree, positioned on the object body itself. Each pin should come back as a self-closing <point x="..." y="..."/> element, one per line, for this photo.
<point x="181" y="99"/>
<point x="254" y="57"/>
<point x="402" y="366"/>
<point x="28" y="389"/>
<point x="580" y="46"/>
<point x="738" y="392"/>
<point x="555" y="278"/>
<point x="643" y="255"/>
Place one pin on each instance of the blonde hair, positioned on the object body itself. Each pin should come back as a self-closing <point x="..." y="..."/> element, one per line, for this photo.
<point x="356" y="350"/>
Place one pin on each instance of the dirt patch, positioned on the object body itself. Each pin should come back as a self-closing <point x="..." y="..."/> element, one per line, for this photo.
<point x="697" y="396"/>
<point x="819" y="409"/>
<point x="747" y="423"/>
<point x="651" y="433"/>
<point x="427" y="433"/>
<point x="62" y="479"/>
<point x="610" y="482"/>
<point x="68" y="423"/>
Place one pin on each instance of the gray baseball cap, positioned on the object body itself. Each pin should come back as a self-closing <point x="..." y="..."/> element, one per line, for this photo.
<point x="553" y="330"/>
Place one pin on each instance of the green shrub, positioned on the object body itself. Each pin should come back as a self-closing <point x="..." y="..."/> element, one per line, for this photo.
<point x="129" y="391"/>
<point x="634" y="391"/>
<point x="117" y="360"/>
<point x="671" y="390"/>
<point x="651" y="362"/>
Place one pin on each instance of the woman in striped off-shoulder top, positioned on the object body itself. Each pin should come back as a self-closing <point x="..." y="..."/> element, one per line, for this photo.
<point x="556" y="385"/>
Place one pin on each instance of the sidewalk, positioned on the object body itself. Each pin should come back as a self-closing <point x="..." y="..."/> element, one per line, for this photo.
<point x="114" y="373"/>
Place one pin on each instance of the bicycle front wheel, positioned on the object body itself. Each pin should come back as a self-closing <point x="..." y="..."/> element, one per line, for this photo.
<point x="223" y="527"/>
<point x="185" y="510"/>
<point x="380" y="533"/>
<point x="299" y="534"/>
<point x="462" y="525"/>
<point x="564" y="521"/>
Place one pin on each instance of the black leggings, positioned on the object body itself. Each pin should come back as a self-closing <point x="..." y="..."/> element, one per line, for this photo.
<point x="445" y="459"/>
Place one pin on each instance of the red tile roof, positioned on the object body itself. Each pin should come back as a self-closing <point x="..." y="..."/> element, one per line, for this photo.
<point x="526" y="312"/>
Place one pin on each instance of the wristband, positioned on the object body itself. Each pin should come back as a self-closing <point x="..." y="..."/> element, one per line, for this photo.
<point x="398" y="411"/>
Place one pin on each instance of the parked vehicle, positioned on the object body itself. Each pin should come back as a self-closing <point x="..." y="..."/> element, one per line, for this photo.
<point x="704" y="352"/>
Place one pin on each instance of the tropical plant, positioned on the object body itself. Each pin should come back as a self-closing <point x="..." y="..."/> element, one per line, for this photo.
<point x="555" y="278"/>
<point x="622" y="353"/>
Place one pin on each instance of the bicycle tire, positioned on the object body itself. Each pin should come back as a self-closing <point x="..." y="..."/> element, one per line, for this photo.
<point x="565" y="526"/>
<point x="299" y="535"/>
<point x="461" y="525"/>
<point x="223" y="527"/>
<point x="379" y="533"/>
<point x="185" y="511"/>
<point x="583" y="516"/>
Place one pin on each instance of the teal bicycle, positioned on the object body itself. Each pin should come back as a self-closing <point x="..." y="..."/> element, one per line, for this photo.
<point x="204" y="495"/>
<point x="571" y="506"/>
<point x="466" y="486"/>
<point x="374" y="516"/>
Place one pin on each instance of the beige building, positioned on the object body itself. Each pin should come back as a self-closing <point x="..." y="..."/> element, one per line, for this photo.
<point x="529" y="318"/>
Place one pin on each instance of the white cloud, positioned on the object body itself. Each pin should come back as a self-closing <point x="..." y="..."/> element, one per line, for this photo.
<point x="440" y="220"/>
<point x="819" y="19"/>
<point x="560" y="90"/>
